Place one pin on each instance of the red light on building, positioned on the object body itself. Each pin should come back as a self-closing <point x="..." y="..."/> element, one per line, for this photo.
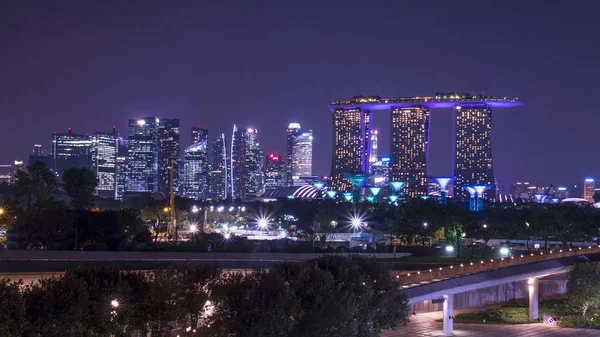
<point x="275" y="158"/>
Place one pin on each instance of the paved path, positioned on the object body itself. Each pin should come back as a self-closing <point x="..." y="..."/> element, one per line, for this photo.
<point x="425" y="325"/>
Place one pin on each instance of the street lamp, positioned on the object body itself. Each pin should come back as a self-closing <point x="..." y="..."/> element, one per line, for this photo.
<point x="114" y="303"/>
<point x="1" y="211"/>
<point x="356" y="223"/>
<point x="166" y="209"/>
<point x="425" y="224"/>
<point x="195" y="209"/>
<point x="484" y="226"/>
<point x="193" y="228"/>
<point x="263" y="223"/>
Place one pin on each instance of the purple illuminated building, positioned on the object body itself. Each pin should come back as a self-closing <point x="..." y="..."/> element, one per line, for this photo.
<point x="410" y="136"/>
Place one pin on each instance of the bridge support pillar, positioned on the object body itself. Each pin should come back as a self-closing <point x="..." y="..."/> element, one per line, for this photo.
<point x="448" y="318"/>
<point x="533" y="285"/>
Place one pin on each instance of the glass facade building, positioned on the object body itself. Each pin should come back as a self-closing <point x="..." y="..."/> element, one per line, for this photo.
<point x="104" y="162"/>
<point x="473" y="149"/>
<point x="409" y="145"/>
<point x="274" y="172"/>
<point x="142" y="164"/>
<point x="168" y="154"/>
<point x="253" y="184"/>
<point x="71" y="150"/>
<point x="351" y="138"/>
<point x="122" y="160"/>
<point x="293" y="131"/>
<point x="218" y="174"/>
<point x="237" y="157"/>
<point x="302" y="158"/>
<point x="195" y="171"/>
<point x="199" y="135"/>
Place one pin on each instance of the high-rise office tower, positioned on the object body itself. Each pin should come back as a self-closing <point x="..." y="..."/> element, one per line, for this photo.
<point x="374" y="153"/>
<point x="195" y="171"/>
<point x="589" y="189"/>
<point x="37" y="154"/>
<point x="199" y="135"/>
<point x="168" y="154"/>
<point x="302" y="158"/>
<point x="104" y="163"/>
<point x="6" y="174"/>
<point x="380" y="172"/>
<point x="473" y="149"/>
<point x="409" y="143"/>
<point x="351" y="131"/>
<point x="71" y="150"/>
<point x="142" y="164"/>
<point x="38" y="150"/>
<point x="253" y="160"/>
<point x="293" y="131"/>
<point x="218" y="174"/>
<point x="122" y="159"/>
<point x="237" y="163"/>
<point x="274" y="172"/>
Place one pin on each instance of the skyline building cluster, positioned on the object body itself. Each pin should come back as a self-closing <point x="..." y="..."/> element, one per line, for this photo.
<point x="149" y="159"/>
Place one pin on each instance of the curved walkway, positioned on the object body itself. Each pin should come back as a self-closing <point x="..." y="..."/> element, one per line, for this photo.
<point x="425" y="325"/>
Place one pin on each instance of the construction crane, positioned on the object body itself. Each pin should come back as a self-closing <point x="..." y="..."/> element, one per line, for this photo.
<point x="172" y="231"/>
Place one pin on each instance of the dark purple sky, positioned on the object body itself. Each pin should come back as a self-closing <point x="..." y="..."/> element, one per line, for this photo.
<point x="93" y="64"/>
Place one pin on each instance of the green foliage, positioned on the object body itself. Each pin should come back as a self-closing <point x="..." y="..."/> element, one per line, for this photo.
<point x="13" y="314"/>
<point x="590" y="321"/>
<point x="80" y="184"/>
<point x="583" y="287"/>
<point x="258" y="304"/>
<point x="506" y="315"/>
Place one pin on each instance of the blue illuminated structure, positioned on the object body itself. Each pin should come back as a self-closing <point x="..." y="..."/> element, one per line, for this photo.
<point x="291" y="197"/>
<point x="398" y="189"/>
<point x="555" y="200"/>
<point x="392" y="199"/>
<point x="331" y="194"/>
<point x="425" y="197"/>
<point x="319" y="185"/>
<point x="348" y="196"/>
<point x="375" y="190"/>
<point x="443" y="183"/>
<point x="476" y="196"/>
<point x="540" y="198"/>
<point x="357" y="181"/>
<point x="371" y="198"/>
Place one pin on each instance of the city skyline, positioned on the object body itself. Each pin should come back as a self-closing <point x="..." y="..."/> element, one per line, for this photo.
<point x="66" y="65"/>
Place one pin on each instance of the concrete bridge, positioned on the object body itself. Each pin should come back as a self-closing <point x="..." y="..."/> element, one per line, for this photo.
<point x="440" y="285"/>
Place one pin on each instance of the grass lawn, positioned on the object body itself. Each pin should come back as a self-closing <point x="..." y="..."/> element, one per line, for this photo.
<point x="517" y="313"/>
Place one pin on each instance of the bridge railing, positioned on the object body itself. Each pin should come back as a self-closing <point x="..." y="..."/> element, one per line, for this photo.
<point x="424" y="276"/>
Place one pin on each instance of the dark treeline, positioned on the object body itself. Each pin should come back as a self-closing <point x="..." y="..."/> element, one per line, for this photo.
<point x="43" y="213"/>
<point x="329" y="296"/>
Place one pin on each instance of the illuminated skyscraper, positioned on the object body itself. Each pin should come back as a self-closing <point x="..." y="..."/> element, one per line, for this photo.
<point x="380" y="172"/>
<point x="168" y="154"/>
<point x="351" y="131"/>
<point x="253" y="184"/>
<point x="274" y="172"/>
<point x="293" y="131"/>
<point x="71" y="150"/>
<point x="374" y="154"/>
<point x="589" y="189"/>
<point x="195" y="171"/>
<point x="6" y="174"/>
<point x="236" y="163"/>
<point x="218" y="175"/>
<point x="38" y="150"/>
<point x="104" y="163"/>
<point x="122" y="160"/>
<point x="142" y="164"/>
<point x="302" y="158"/>
<point x="409" y="145"/>
<point x="473" y="148"/>
<point x="199" y="135"/>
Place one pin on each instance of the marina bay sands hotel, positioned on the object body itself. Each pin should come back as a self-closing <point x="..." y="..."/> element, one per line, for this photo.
<point x="472" y="124"/>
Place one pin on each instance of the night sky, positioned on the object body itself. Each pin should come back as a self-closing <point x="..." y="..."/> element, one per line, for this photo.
<point x="90" y="65"/>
